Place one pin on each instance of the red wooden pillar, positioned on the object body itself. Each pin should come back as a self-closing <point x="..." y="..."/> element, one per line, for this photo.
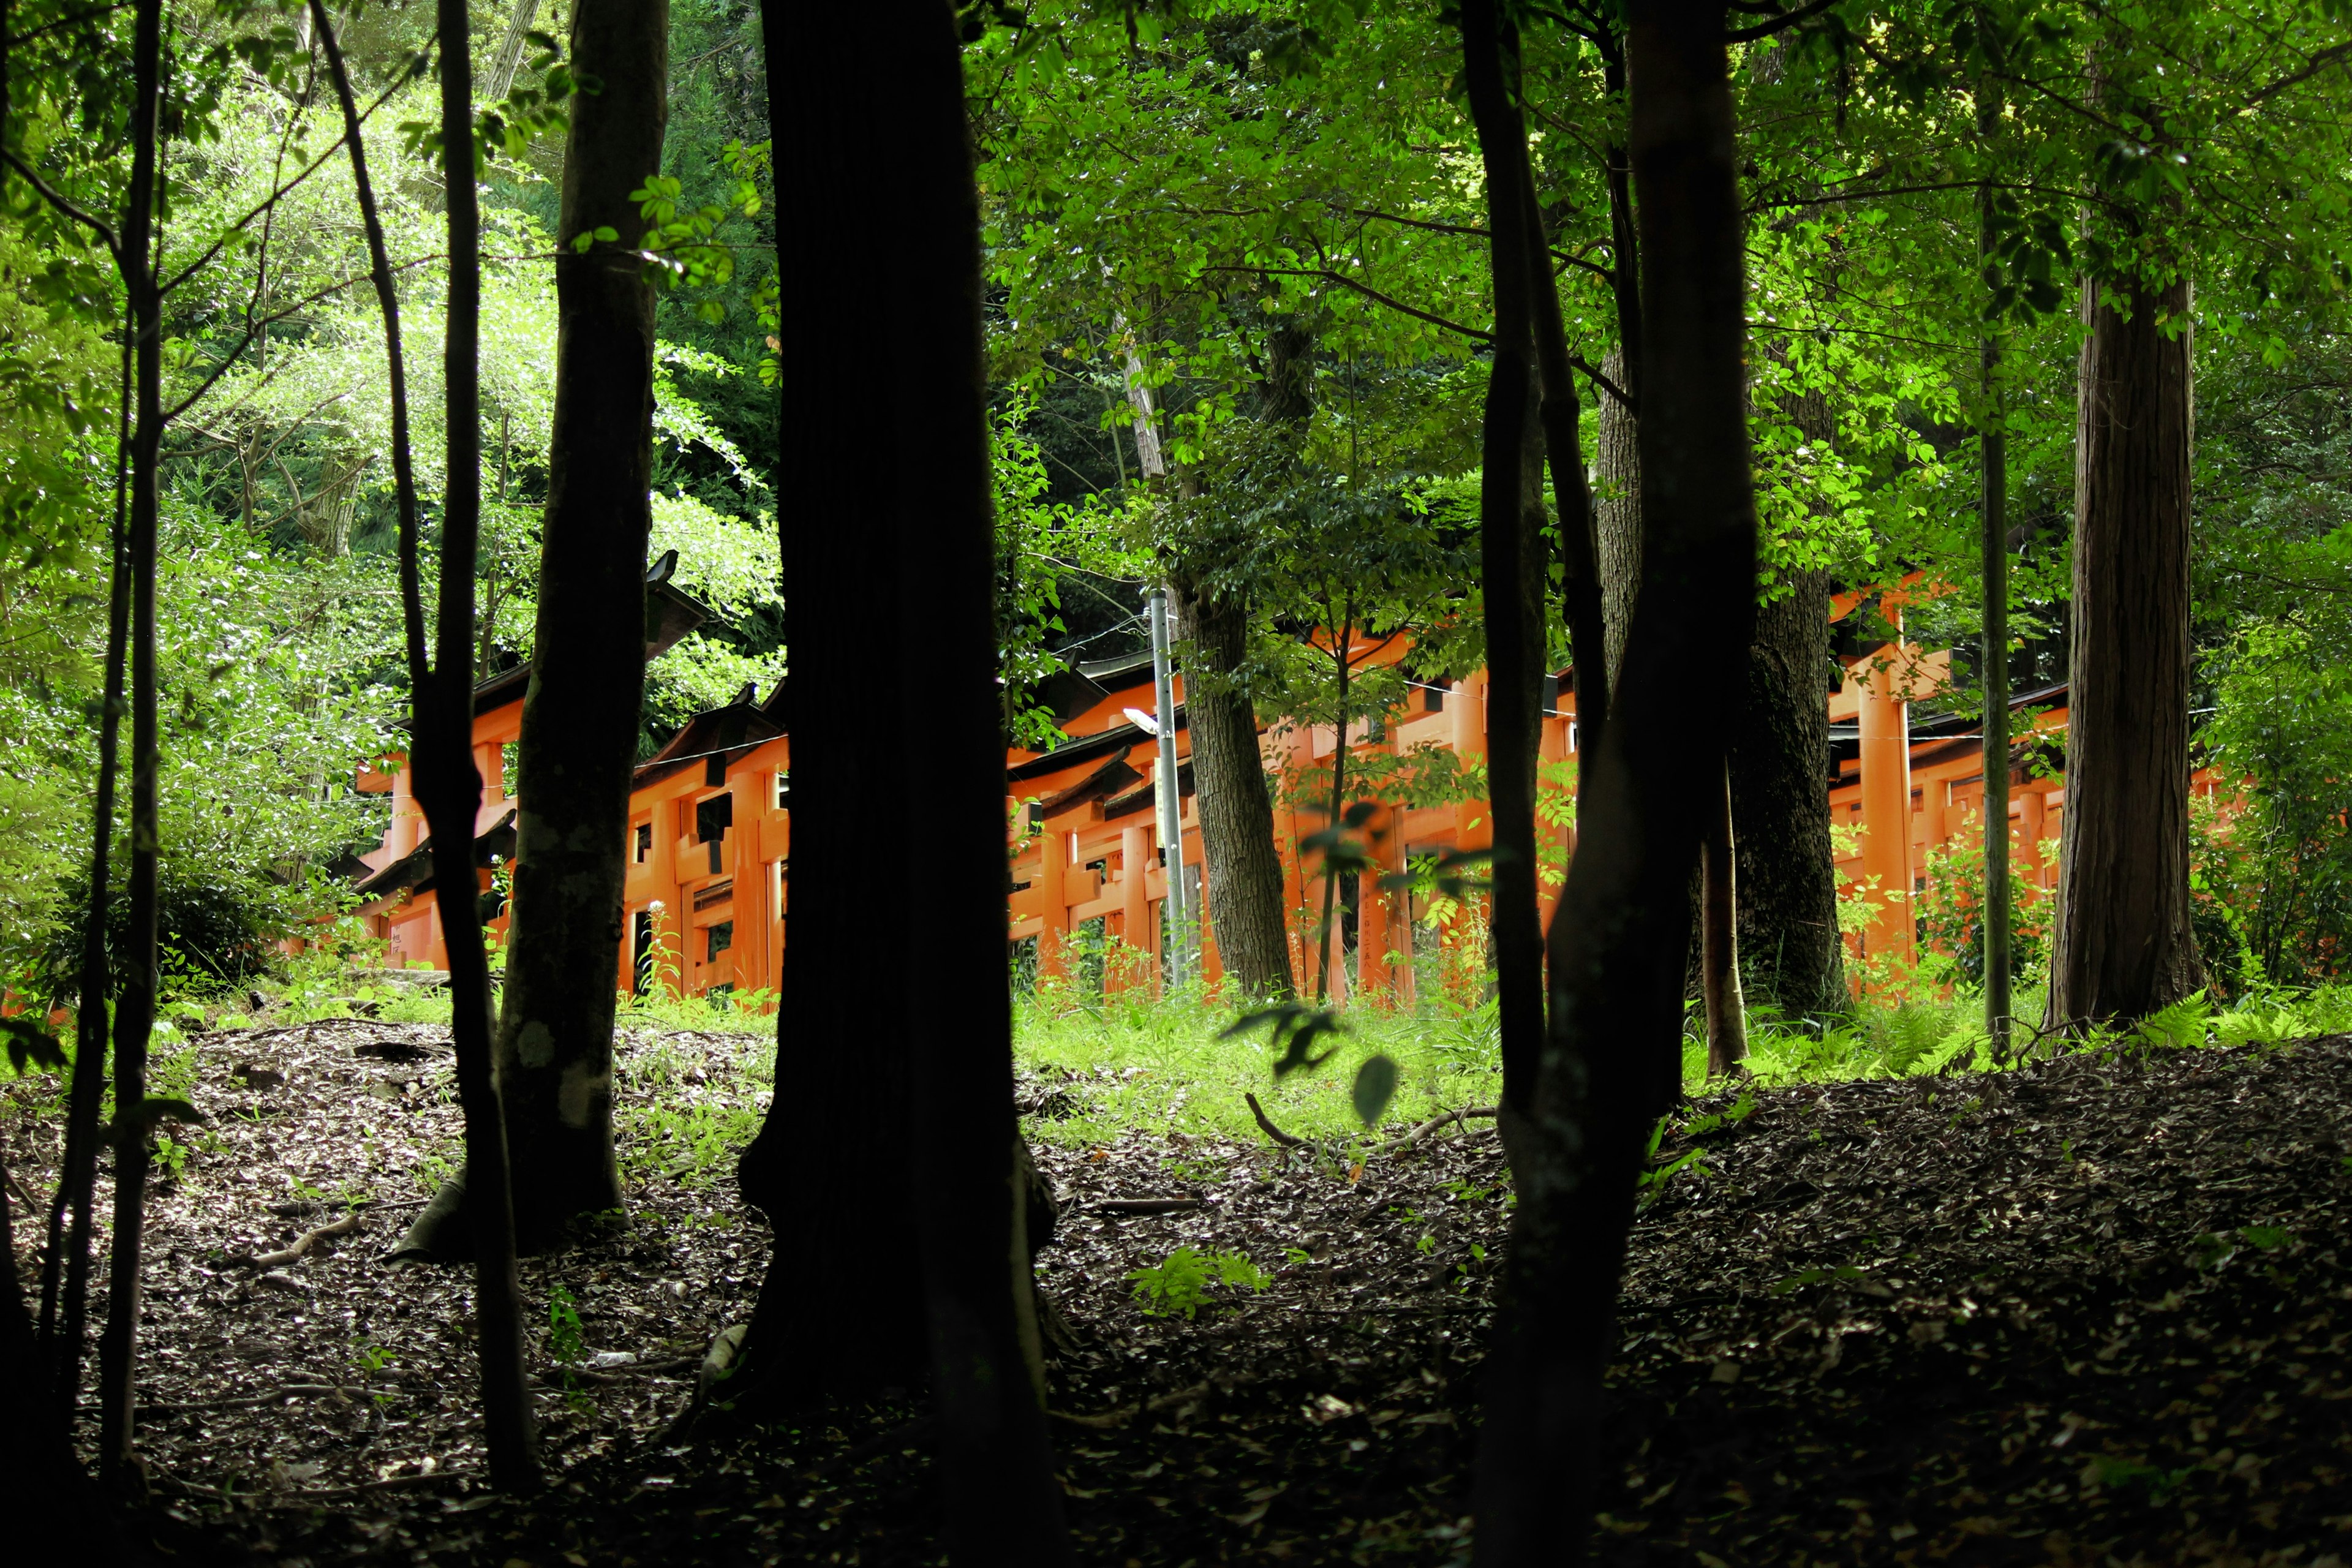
<point x="1886" y="803"/>
<point x="1135" y="906"/>
<point x="1053" y="876"/>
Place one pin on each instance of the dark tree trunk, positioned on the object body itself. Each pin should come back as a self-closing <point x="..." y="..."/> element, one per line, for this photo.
<point x="1581" y="597"/>
<point x="1781" y="809"/>
<point x="1510" y="562"/>
<point x="881" y="337"/>
<point x="1236" y="812"/>
<point x="580" y="716"/>
<point x="135" y="1008"/>
<point x="1617" y="513"/>
<point x="2124" y="948"/>
<point x="449" y="788"/>
<point x="64" y="1324"/>
<point x="1612" y="1057"/>
<point x="60" y="1517"/>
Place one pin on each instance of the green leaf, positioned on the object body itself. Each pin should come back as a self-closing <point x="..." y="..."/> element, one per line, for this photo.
<point x="607" y="233"/>
<point x="1376" y="1083"/>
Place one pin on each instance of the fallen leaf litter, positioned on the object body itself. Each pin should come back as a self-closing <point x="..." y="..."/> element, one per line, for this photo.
<point x="2093" y="1311"/>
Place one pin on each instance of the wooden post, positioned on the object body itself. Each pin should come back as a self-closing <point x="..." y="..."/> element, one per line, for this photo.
<point x="407" y="816"/>
<point x="1886" y="805"/>
<point x="666" y="905"/>
<point x="1052" y="936"/>
<point x="1472" y="829"/>
<point x="1134" y="857"/>
<point x="2033" y="813"/>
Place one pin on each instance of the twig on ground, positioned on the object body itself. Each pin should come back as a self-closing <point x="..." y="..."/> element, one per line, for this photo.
<point x="1142" y="1205"/>
<point x="1119" y="1417"/>
<point x="343" y="1227"/>
<point x="1411" y="1140"/>
<point x="325" y="1494"/>
<point x="1265" y="1121"/>
<point x="241" y="1402"/>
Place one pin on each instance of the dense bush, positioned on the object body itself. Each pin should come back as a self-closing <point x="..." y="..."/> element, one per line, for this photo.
<point x="215" y="929"/>
<point x="1950" y="914"/>
<point x="2274" y="877"/>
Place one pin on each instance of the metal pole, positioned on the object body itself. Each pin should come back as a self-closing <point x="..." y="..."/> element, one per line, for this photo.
<point x="1168" y="793"/>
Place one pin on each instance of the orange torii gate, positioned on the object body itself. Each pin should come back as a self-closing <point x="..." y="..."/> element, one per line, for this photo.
<point x="710" y="831"/>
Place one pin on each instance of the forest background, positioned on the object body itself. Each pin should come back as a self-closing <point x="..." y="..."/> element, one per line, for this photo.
<point x="1187" y="214"/>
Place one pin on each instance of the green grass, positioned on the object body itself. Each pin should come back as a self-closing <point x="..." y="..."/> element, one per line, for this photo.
<point x="1133" y="1063"/>
<point x="1129" y="1064"/>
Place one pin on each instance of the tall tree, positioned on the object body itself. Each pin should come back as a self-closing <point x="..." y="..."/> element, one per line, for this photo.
<point x="1992" y="650"/>
<point x="1610" y="1063"/>
<point x="554" y="1044"/>
<point x="2124" y="947"/>
<point x="448" y="785"/>
<point x="135" y="1008"/>
<point x="1511" y="572"/>
<point x="1213" y="620"/>
<point x="1785" y="866"/>
<point x="866" y="110"/>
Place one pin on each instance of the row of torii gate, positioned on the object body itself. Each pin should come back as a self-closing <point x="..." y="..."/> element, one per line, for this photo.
<point x="711" y="835"/>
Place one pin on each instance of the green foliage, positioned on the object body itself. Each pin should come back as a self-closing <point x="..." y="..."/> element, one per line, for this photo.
<point x="1949" y="913"/>
<point x="2274" y="879"/>
<point x="1182" y="1282"/>
<point x="214" y="930"/>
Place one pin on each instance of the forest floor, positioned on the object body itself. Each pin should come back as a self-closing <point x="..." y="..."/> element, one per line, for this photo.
<point x="2093" y="1311"/>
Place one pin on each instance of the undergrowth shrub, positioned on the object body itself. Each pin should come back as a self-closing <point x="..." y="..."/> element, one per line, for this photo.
<point x="1181" y="1282"/>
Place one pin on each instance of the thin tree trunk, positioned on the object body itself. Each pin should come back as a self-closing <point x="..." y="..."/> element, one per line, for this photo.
<point x="1787" y="868"/>
<point x="1726" y="1009"/>
<point x="1612" y="1052"/>
<point x="1580" y="548"/>
<point x="69" y="1244"/>
<point x="2123" y="946"/>
<point x="1343" y="639"/>
<point x="134" y="1010"/>
<point x="866" y="110"/>
<point x="579" y="718"/>
<point x="509" y="60"/>
<point x="1514" y="594"/>
<point x="449" y="788"/>
<point x="1992" y="508"/>
<point x="1230" y="791"/>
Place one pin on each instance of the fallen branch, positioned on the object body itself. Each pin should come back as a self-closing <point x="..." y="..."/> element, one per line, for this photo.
<point x="1142" y="1205"/>
<point x="343" y="1227"/>
<point x="1120" y="1416"/>
<point x="1265" y="1121"/>
<point x="1411" y="1140"/>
